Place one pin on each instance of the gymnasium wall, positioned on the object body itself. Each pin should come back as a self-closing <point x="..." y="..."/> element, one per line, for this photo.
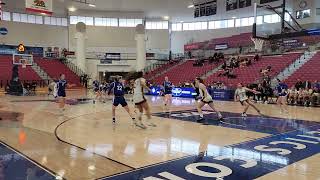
<point x="180" y="38"/>
<point x="120" y="38"/>
<point x="34" y="35"/>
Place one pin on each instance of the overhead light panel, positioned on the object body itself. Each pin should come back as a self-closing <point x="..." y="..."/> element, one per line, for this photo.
<point x="72" y="9"/>
<point x="92" y="5"/>
<point x="191" y="6"/>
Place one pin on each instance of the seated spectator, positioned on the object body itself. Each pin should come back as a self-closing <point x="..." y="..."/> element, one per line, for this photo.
<point x="231" y="75"/>
<point x="256" y="57"/>
<point x="292" y="95"/>
<point x="243" y="63"/>
<point x="260" y="97"/>
<point x="306" y="85"/>
<point x="223" y="86"/>
<point x="249" y="62"/>
<point x="316" y="94"/>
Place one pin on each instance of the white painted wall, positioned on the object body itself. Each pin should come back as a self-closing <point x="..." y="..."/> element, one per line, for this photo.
<point x="34" y="35"/>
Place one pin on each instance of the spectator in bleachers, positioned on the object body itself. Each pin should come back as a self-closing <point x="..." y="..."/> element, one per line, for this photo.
<point x="261" y="96"/>
<point x="293" y="95"/>
<point x="240" y="49"/>
<point x="299" y="84"/>
<point x="256" y="57"/>
<point x="316" y="94"/>
<point x="266" y="71"/>
<point x="306" y="85"/>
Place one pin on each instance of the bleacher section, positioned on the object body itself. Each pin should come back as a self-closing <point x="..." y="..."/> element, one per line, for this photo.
<point x="309" y="71"/>
<point x="243" y="40"/>
<point x="185" y="72"/>
<point x="234" y="41"/>
<point x="160" y="69"/>
<point x="54" y="68"/>
<point x="250" y="74"/>
<point x="25" y="74"/>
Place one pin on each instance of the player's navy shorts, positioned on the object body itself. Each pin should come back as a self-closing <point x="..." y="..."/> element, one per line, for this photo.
<point x="282" y="94"/>
<point x="206" y="102"/>
<point x="61" y="94"/>
<point x="119" y="100"/>
<point x="95" y="89"/>
<point x="167" y="92"/>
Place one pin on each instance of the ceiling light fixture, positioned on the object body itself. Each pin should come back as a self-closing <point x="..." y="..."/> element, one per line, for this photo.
<point x="166" y="17"/>
<point x="72" y="9"/>
<point x="234" y="17"/>
<point x="92" y="5"/>
<point x="191" y="6"/>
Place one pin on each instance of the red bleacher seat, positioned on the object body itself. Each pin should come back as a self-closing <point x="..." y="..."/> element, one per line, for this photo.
<point x="160" y="69"/>
<point x="25" y="74"/>
<point x="185" y="72"/>
<point x="54" y="68"/>
<point x="309" y="71"/>
<point x="247" y="75"/>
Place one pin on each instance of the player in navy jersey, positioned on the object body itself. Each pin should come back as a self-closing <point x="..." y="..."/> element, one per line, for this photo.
<point x="117" y="89"/>
<point x="167" y="90"/>
<point x="282" y="90"/>
<point x="96" y="90"/>
<point x="61" y="91"/>
<point x="104" y="91"/>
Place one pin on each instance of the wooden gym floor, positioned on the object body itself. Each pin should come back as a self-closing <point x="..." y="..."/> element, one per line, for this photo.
<point x="38" y="142"/>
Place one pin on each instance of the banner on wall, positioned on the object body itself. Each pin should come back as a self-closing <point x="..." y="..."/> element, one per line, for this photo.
<point x="9" y="49"/>
<point x="194" y="46"/>
<point x="221" y="46"/>
<point x="113" y="56"/>
<point x="39" y="6"/>
<point x="3" y="31"/>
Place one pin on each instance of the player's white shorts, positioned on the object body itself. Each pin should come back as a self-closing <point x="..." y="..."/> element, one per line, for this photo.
<point x="138" y="99"/>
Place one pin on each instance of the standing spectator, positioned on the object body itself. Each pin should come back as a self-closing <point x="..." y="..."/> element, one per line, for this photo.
<point x="256" y="57"/>
<point x="307" y="85"/>
<point x="299" y="84"/>
<point x="240" y="49"/>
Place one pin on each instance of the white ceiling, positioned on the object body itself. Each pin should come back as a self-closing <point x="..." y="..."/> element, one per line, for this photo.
<point x="150" y="8"/>
<point x="177" y="10"/>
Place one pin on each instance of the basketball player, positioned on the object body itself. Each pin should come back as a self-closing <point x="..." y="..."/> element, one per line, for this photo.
<point x="117" y="89"/>
<point x="96" y="90"/>
<point x="282" y="89"/>
<point x="51" y="87"/>
<point x="61" y="91"/>
<point x="205" y="99"/>
<point x="138" y="97"/>
<point x="240" y="95"/>
<point x="104" y="91"/>
<point x="197" y="93"/>
<point x="167" y="89"/>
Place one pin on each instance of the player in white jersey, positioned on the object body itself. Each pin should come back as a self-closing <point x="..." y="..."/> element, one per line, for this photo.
<point x="205" y="99"/>
<point x="241" y="96"/>
<point x="138" y="97"/>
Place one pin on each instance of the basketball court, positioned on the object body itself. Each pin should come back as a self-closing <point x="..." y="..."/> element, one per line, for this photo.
<point x="103" y="41"/>
<point x="84" y="144"/>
